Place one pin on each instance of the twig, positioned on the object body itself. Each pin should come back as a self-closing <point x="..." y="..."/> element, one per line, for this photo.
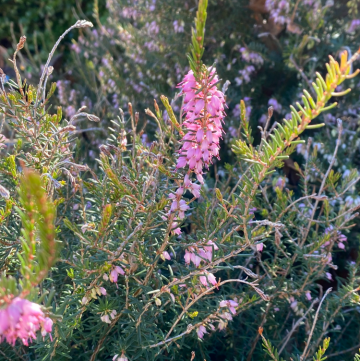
<point x="287" y="338"/>
<point x="304" y="354"/>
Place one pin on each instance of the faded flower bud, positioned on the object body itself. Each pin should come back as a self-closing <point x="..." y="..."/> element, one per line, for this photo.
<point x="80" y="167"/>
<point x="21" y="43"/>
<point x="68" y="128"/>
<point x="83" y="24"/>
<point x="112" y="147"/>
<point x="50" y="70"/>
<point x="81" y="109"/>
<point x="93" y="118"/>
<point x="270" y="111"/>
<point x="157" y="302"/>
<point x="130" y="108"/>
<point x="156" y="106"/>
<point x="104" y="149"/>
<point x="150" y="113"/>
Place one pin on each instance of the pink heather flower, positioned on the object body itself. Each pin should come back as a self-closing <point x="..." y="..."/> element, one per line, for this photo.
<point x="201" y="331"/>
<point x="113" y="314"/>
<point x="328" y="276"/>
<point x="308" y="295"/>
<point x="84" y="300"/>
<point x="178" y="204"/>
<point x="204" y="113"/>
<point x="260" y="247"/>
<point x="166" y="255"/>
<point x="103" y="291"/>
<point x="207" y="279"/>
<point x="119" y="270"/>
<point x="115" y="272"/>
<point x="193" y="188"/>
<point x="293" y="303"/>
<point x="182" y="208"/>
<point x="22" y="319"/>
<point x="227" y="316"/>
<point x="230" y="304"/>
<point x="47" y="327"/>
<point x="105" y="318"/>
<point x="113" y="276"/>
<point x="251" y="57"/>
<point x="177" y="231"/>
<point x="105" y="277"/>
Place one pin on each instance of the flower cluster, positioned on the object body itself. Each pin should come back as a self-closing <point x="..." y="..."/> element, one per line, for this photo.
<point x="197" y="254"/>
<point x="204" y="112"/>
<point x="279" y="11"/>
<point x="115" y="272"/>
<point x="108" y="317"/>
<point x="22" y="319"/>
<point x="250" y="56"/>
<point x="338" y="237"/>
<point x="245" y="75"/>
<point x="223" y="317"/>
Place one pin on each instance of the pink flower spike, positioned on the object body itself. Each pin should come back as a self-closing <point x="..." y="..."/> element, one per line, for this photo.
<point x="260" y="247"/>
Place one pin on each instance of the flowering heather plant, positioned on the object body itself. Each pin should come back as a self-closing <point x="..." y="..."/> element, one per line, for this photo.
<point x="163" y="255"/>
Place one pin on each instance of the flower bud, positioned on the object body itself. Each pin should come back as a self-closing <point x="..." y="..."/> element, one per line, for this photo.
<point x="21" y="43"/>
<point x="83" y="24"/>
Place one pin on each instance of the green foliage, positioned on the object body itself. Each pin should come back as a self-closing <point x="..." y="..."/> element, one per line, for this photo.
<point x="277" y="211"/>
